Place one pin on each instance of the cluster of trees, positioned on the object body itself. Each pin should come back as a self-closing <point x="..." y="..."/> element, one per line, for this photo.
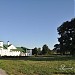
<point x="67" y="38"/>
<point x="66" y="41"/>
<point x="44" y="51"/>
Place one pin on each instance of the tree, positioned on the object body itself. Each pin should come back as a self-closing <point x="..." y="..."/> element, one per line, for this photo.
<point x="67" y="37"/>
<point x="45" y="49"/>
<point x="39" y="51"/>
<point x="57" y="48"/>
<point x="34" y="51"/>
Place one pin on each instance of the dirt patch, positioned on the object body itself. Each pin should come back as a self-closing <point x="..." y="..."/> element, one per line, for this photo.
<point x="2" y="72"/>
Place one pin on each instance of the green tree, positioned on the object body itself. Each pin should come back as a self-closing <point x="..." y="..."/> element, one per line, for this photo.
<point x="34" y="51"/>
<point x="56" y="48"/>
<point x="39" y="51"/>
<point x="67" y="37"/>
<point x="45" y="49"/>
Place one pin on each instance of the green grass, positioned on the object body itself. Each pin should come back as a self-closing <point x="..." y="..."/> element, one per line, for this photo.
<point x="39" y="66"/>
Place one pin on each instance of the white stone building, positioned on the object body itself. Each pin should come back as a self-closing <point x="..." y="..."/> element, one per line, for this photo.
<point x="10" y="50"/>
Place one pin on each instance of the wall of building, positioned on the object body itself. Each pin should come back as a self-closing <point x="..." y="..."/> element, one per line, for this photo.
<point x="15" y="53"/>
<point x="6" y="52"/>
<point x="11" y="47"/>
<point x="1" y="43"/>
<point x="28" y="52"/>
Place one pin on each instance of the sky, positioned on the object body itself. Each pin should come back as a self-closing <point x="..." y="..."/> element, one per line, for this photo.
<point x="33" y="23"/>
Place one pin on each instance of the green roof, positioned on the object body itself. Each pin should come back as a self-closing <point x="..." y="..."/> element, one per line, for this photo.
<point x="23" y="49"/>
<point x="9" y="45"/>
<point x="5" y="46"/>
<point x="19" y="49"/>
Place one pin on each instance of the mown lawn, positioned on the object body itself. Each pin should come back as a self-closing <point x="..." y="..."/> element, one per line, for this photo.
<point x="39" y="66"/>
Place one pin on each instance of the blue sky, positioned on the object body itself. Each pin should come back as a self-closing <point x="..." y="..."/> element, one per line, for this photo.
<point x="33" y="23"/>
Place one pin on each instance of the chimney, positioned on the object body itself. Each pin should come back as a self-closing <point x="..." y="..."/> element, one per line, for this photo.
<point x="8" y="43"/>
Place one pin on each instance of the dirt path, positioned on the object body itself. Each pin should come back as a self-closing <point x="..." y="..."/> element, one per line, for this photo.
<point x="2" y="72"/>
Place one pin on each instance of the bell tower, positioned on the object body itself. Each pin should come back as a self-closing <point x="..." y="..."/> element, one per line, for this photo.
<point x="8" y="43"/>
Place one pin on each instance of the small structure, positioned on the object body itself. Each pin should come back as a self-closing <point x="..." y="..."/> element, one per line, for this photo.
<point x="10" y="50"/>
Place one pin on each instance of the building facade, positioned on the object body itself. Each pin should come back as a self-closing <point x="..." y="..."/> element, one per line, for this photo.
<point x="10" y="50"/>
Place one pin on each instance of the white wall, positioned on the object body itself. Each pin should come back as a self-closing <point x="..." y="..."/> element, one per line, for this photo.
<point x="6" y="52"/>
<point x="1" y="43"/>
<point x="15" y="53"/>
<point x="11" y="47"/>
<point x="28" y="52"/>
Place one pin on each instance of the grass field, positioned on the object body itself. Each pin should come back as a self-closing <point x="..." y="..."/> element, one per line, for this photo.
<point x="52" y="65"/>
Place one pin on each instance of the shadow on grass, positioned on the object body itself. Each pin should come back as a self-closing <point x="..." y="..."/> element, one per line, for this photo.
<point x="39" y="58"/>
<point x="63" y="73"/>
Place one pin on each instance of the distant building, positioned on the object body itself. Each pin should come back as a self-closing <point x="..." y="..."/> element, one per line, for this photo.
<point x="10" y="50"/>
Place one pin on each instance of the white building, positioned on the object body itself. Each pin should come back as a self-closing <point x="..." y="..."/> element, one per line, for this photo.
<point x="10" y="50"/>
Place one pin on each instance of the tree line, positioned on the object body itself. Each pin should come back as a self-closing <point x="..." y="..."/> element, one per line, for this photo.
<point x="66" y="32"/>
<point x="44" y="51"/>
